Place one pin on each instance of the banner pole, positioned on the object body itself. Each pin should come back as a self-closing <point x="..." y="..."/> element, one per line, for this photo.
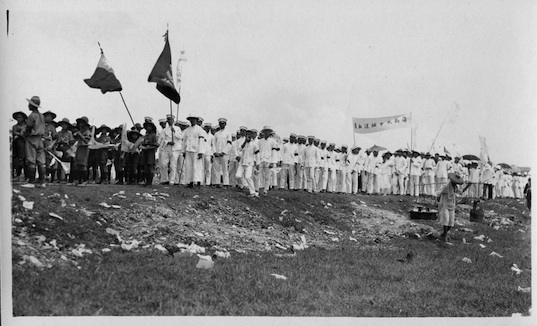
<point x="126" y="108"/>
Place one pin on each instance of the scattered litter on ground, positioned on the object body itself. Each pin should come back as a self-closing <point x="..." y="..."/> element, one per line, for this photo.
<point x="467" y="260"/>
<point x="495" y="254"/>
<point x="524" y="290"/>
<point x="516" y="269"/>
<point x="482" y="246"/>
<point x="28" y="205"/>
<point x="279" y="277"/>
<point x="480" y="238"/>
<point x="16" y="191"/>
<point x="56" y="216"/>
<point x="222" y="254"/>
<point x="28" y="185"/>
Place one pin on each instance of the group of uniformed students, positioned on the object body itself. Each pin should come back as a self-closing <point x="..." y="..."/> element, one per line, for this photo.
<point x="194" y="153"/>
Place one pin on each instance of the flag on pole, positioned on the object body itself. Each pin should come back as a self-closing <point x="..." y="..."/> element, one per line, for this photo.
<point x="104" y="77"/>
<point x="369" y="125"/>
<point x="446" y="151"/>
<point x="484" y="154"/>
<point x="162" y="73"/>
<point x="65" y="166"/>
<point x="179" y="70"/>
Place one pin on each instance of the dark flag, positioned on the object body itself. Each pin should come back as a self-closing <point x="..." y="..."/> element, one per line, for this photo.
<point x="104" y="77"/>
<point x="162" y="74"/>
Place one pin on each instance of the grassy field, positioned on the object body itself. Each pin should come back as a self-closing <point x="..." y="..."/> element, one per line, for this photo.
<point x="345" y="282"/>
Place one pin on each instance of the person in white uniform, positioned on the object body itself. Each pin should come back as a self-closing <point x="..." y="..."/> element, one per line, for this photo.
<point x="193" y="151"/>
<point x="222" y="143"/>
<point x="266" y="145"/>
<point x="208" y="155"/>
<point x="171" y="149"/>
<point x="246" y="159"/>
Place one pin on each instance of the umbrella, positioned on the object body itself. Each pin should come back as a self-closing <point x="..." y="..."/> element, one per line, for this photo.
<point x="470" y="157"/>
<point x="377" y="148"/>
<point x="515" y="168"/>
<point x="504" y="165"/>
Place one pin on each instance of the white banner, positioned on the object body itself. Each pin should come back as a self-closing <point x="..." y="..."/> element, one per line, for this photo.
<point x="369" y="125"/>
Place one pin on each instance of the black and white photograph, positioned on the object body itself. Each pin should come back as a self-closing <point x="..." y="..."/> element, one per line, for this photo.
<point x="270" y="162"/>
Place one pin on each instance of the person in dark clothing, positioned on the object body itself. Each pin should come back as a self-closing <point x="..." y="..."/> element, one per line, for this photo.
<point x="149" y="148"/>
<point x="527" y="193"/>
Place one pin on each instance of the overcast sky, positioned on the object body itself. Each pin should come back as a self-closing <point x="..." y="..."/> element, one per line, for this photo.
<point x="307" y="67"/>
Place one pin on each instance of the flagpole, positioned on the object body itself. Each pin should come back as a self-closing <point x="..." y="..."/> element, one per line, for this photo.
<point x="439" y="131"/>
<point x="126" y="108"/>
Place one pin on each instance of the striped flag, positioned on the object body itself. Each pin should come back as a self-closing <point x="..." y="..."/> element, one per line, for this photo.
<point x="104" y="77"/>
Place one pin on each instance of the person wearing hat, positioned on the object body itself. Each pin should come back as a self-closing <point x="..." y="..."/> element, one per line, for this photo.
<point x="310" y="156"/>
<point x="170" y="142"/>
<point x="117" y="155"/>
<point x="19" y="145"/>
<point x="354" y="169"/>
<point x="322" y="167"/>
<point x="441" y="171"/>
<point x="446" y="204"/>
<point x="82" y="137"/>
<point x="102" y="154"/>
<point x="64" y="141"/>
<point x="149" y="148"/>
<point x="487" y="180"/>
<point x="428" y="176"/>
<point x="300" y="177"/>
<point x="130" y="148"/>
<point x="180" y="174"/>
<point x="193" y="148"/>
<point x="287" y="163"/>
<point x="35" y="149"/>
<point x="416" y="164"/>
<point x="49" y="141"/>
<point x="345" y="182"/>
<point x="267" y="145"/>
<point x="222" y="144"/>
<point x="246" y="158"/>
<point x="208" y="155"/>
<point x="331" y="180"/>
<point x="234" y="153"/>
<point x="473" y="180"/>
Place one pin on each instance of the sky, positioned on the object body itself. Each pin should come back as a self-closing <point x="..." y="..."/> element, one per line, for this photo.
<point x="464" y="69"/>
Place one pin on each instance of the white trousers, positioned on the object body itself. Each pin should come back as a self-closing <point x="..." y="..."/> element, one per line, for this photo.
<point x="244" y="172"/>
<point x="220" y="170"/>
<point x="168" y="157"/>
<point x="193" y="167"/>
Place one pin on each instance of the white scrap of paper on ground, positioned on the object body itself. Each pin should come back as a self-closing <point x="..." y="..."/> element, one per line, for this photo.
<point x="525" y="290"/>
<point x="28" y="204"/>
<point x="494" y="253"/>
<point x="279" y="277"/>
<point x="516" y="269"/>
<point x="467" y="260"/>
<point x="28" y="185"/>
<point x="56" y="216"/>
<point x="482" y="246"/>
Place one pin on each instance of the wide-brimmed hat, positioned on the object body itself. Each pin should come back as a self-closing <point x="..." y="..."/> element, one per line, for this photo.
<point x="455" y="178"/>
<point x="266" y="128"/>
<point x="65" y="121"/>
<point x="222" y="120"/>
<point x="148" y="119"/>
<point x="207" y="124"/>
<point x="35" y="101"/>
<point x="50" y="113"/>
<point x="183" y="123"/>
<point x="83" y="119"/>
<point x="193" y="116"/>
<point x="147" y="123"/>
<point x="169" y="116"/>
<point x="162" y="120"/>
<point x="102" y="127"/>
<point x="132" y="132"/>
<point x="20" y="113"/>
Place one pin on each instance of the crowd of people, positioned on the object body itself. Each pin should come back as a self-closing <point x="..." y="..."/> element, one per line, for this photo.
<point x="197" y="153"/>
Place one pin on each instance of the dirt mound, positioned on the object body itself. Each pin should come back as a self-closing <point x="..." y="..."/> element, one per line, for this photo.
<point x="67" y="223"/>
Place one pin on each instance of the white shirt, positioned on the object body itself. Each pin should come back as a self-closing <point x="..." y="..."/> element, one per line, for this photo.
<point x="222" y="141"/>
<point x="441" y="169"/>
<point x="266" y="146"/>
<point x="166" y="135"/>
<point x="310" y="156"/>
<point x="288" y="153"/>
<point x="247" y="153"/>
<point x="194" y="140"/>
<point x="209" y="144"/>
<point x="415" y="166"/>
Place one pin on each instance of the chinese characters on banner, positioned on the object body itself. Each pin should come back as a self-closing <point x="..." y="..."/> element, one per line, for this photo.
<point x="369" y="125"/>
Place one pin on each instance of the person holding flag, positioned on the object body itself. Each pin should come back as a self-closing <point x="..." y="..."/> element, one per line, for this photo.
<point x="193" y="147"/>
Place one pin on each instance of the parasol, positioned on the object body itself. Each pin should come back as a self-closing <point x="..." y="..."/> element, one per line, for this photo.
<point x="377" y="148"/>
<point x="504" y="165"/>
<point x="515" y="169"/>
<point x="470" y="157"/>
